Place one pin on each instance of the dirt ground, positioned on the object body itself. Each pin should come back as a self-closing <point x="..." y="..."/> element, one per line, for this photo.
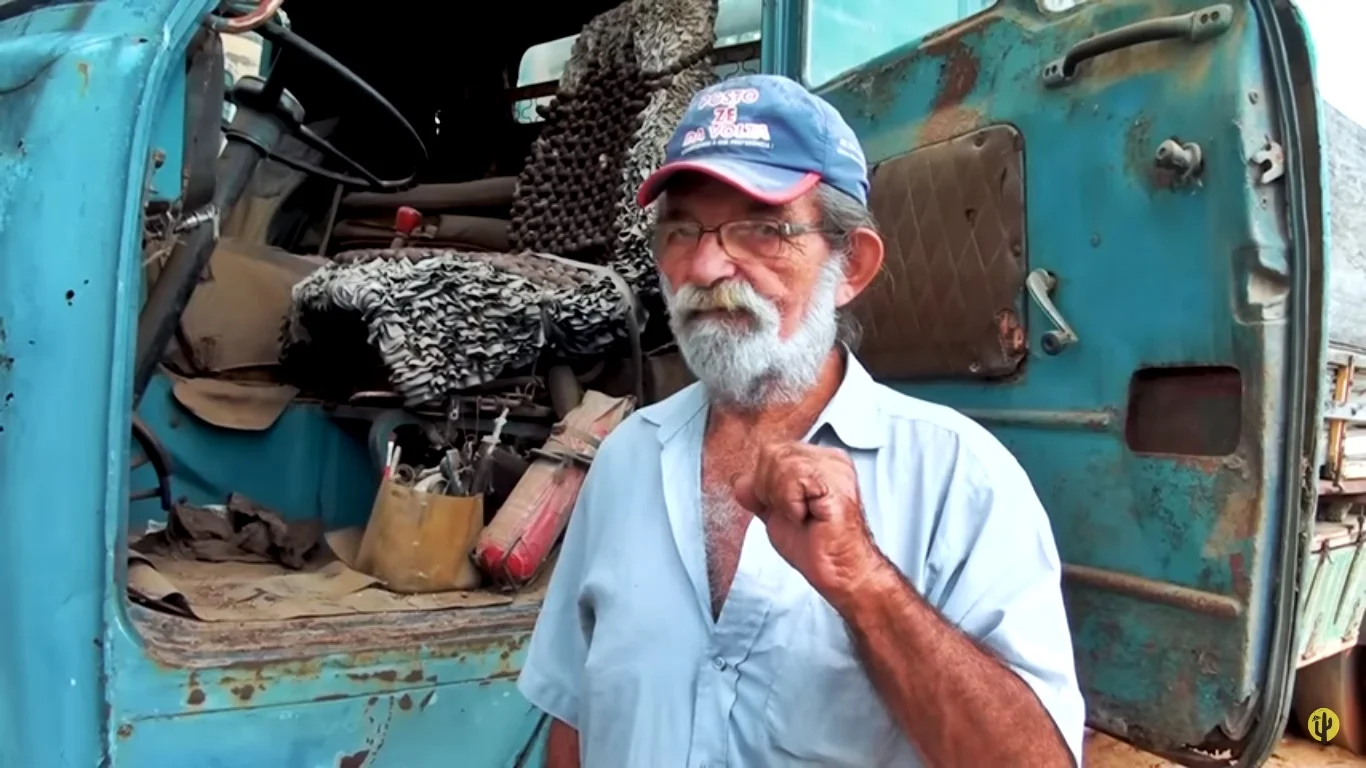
<point x="1105" y="752"/>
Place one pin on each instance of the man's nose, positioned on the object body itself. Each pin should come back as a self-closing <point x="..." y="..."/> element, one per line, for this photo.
<point x="710" y="264"/>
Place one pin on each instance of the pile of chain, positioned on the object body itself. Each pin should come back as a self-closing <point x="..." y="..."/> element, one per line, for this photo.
<point x="628" y="80"/>
<point x="443" y="321"/>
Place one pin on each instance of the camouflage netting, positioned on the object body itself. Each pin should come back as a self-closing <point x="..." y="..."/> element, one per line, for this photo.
<point x="442" y="321"/>
<point x="629" y="79"/>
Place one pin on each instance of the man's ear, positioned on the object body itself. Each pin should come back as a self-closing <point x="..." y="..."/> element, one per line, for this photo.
<point x="866" y="253"/>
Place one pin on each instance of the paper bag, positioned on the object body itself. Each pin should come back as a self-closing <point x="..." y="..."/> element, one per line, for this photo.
<point x="421" y="542"/>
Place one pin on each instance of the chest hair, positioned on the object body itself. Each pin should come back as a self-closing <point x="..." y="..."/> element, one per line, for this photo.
<point x="724" y="521"/>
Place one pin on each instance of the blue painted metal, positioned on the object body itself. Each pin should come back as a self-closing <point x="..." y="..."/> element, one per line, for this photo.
<point x="388" y="729"/>
<point x="79" y="85"/>
<point x="308" y="464"/>
<point x="1174" y="563"/>
<point x="84" y="678"/>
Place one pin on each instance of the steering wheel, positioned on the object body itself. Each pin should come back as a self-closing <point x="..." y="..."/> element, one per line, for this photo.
<point x="269" y="99"/>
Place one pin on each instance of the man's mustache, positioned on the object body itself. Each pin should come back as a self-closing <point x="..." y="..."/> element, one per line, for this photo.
<point x="727" y="295"/>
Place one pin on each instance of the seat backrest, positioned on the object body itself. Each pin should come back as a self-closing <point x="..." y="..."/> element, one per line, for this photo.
<point x="629" y="77"/>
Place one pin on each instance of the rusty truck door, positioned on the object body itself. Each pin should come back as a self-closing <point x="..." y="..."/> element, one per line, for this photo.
<point x="1099" y="245"/>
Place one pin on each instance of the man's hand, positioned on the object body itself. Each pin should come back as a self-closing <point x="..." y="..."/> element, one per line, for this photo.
<point x="808" y="498"/>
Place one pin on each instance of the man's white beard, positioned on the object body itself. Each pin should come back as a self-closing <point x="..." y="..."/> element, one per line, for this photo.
<point x="744" y="361"/>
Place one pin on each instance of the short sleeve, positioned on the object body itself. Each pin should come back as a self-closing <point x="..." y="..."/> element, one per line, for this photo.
<point x="999" y="579"/>
<point x="552" y="675"/>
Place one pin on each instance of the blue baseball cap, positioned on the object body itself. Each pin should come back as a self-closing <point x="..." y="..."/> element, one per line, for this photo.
<point x="767" y="136"/>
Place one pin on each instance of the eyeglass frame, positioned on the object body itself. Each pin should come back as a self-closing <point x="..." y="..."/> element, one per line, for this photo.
<point x="787" y="231"/>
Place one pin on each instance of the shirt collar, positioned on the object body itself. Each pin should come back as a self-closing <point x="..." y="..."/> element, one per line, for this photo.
<point x="853" y="413"/>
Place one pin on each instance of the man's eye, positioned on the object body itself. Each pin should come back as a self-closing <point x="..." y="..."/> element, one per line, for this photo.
<point x="766" y="230"/>
<point x="675" y="232"/>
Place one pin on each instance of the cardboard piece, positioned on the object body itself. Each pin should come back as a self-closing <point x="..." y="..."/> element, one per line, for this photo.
<point x="235" y="591"/>
<point x="420" y="542"/>
<point x="239" y="405"/>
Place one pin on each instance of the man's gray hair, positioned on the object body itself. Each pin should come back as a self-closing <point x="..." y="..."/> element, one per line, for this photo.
<point x="841" y="215"/>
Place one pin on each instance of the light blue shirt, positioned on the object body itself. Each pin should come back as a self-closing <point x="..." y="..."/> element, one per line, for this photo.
<point x="626" y="651"/>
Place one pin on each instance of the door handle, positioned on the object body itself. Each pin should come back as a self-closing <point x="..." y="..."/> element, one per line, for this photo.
<point x="1194" y="27"/>
<point x="1041" y="284"/>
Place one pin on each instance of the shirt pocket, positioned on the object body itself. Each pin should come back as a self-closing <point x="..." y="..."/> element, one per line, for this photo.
<point x="821" y="706"/>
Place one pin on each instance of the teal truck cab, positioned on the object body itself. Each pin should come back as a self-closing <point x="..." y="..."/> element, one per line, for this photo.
<point x="1107" y="225"/>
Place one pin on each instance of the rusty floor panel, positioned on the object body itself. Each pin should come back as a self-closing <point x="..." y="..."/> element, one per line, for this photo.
<point x="1105" y="752"/>
<point x="180" y="642"/>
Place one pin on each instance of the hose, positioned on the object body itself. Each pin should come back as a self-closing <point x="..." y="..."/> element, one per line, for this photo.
<point x="264" y="11"/>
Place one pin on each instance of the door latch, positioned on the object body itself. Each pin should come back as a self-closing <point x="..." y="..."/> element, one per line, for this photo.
<point x="1041" y="284"/>
<point x="1270" y="161"/>
<point x="1185" y="159"/>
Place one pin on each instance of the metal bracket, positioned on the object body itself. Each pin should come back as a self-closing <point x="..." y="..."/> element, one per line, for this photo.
<point x="1271" y="158"/>
<point x="1041" y="284"/>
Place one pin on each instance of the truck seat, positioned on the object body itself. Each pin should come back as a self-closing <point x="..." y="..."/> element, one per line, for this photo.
<point x="577" y="257"/>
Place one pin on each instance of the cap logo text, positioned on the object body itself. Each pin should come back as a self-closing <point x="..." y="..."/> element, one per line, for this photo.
<point x="728" y="98"/>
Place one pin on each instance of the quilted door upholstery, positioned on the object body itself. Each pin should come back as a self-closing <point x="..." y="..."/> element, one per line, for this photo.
<point x="950" y="301"/>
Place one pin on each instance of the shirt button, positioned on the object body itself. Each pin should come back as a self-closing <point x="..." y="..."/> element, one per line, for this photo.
<point x="719" y="663"/>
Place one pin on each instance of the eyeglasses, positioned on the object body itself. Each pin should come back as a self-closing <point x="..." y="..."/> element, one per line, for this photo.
<point x="746" y="239"/>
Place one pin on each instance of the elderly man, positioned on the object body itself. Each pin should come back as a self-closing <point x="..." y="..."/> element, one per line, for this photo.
<point x="786" y="563"/>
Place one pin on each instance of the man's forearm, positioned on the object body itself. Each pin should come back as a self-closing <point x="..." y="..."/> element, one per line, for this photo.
<point x="956" y="702"/>
<point x="561" y="746"/>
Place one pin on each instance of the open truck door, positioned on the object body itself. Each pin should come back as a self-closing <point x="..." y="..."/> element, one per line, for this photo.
<point x="1103" y="244"/>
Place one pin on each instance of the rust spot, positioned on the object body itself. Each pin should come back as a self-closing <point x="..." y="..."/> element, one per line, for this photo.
<point x="413" y="677"/>
<point x="125" y="730"/>
<point x="83" y="69"/>
<point x="948" y="123"/>
<point x="244" y="692"/>
<point x="426" y="700"/>
<point x="196" y="697"/>
<point x="1011" y="335"/>
<point x="1239" y="506"/>
<point x="958" y="73"/>
<point x="1242" y="586"/>
<point x="387" y="675"/>
<point x="371" y="701"/>
<point x="354" y="760"/>
<point x="405" y="702"/>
